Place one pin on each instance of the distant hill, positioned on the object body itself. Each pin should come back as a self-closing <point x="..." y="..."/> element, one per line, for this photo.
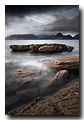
<point x="58" y="36"/>
<point x="76" y="36"/>
<point x="22" y="37"/>
<point x="45" y="36"/>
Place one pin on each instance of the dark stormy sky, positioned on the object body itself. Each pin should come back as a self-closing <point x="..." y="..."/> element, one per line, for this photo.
<point x="41" y="19"/>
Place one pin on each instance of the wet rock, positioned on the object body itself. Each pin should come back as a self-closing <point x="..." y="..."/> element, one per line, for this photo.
<point x="35" y="47"/>
<point x="20" y="47"/>
<point x="26" y="75"/>
<point x="64" y="102"/>
<point x="67" y="48"/>
<point x="59" y="78"/>
<point x="42" y="47"/>
<point x="64" y="63"/>
<point x="50" y="49"/>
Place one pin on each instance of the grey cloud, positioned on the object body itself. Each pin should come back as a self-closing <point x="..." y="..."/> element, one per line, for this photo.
<point x="22" y="10"/>
<point x="15" y="10"/>
<point x="64" y="24"/>
<point x="66" y="19"/>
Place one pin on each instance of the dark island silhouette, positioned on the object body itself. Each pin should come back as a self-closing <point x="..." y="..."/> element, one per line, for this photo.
<point x="58" y="36"/>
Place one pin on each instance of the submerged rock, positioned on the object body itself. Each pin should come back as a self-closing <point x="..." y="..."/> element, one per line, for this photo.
<point x="65" y="63"/>
<point x="45" y="60"/>
<point x="26" y="75"/>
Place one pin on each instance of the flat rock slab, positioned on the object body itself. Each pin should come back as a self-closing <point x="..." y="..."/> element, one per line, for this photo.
<point x="42" y="47"/>
<point x="20" y="47"/>
<point x="64" y="63"/>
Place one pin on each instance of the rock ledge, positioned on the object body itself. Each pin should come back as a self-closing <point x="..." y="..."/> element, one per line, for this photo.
<point x="64" y="63"/>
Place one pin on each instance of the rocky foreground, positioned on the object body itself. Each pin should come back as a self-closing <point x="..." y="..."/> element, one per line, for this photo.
<point x="63" y="102"/>
<point x="42" y="47"/>
<point x="64" y="63"/>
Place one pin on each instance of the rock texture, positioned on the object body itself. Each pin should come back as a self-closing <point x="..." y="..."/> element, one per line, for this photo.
<point x="59" y="78"/>
<point x="43" y="47"/>
<point x="64" y="102"/>
<point x="26" y="75"/>
<point x="35" y="47"/>
<point x="20" y="47"/>
<point x="50" y="48"/>
<point x="65" y="63"/>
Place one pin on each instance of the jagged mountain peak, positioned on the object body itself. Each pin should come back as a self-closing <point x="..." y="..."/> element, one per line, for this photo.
<point x="58" y="36"/>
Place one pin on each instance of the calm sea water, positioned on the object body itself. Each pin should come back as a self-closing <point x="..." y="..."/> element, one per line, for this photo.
<point x="30" y="58"/>
<point x="14" y="96"/>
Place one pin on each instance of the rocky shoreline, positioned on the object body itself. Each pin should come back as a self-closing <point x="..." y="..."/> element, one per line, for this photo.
<point x="42" y="48"/>
<point x="63" y="102"/>
<point x="65" y="63"/>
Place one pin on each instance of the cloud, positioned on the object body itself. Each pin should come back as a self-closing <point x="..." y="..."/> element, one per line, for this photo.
<point x="28" y="24"/>
<point x="64" y="24"/>
<point x="41" y="19"/>
<point x="24" y="10"/>
<point x="33" y="9"/>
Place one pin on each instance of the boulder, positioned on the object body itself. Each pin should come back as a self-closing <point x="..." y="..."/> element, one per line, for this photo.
<point x="59" y="78"/>
<point x="55" y="48"/>
<point x="20" y="47"/>
<point x="35" y="47"/>
<point x="69" y="48"/>
<point x="58" y="48"/>
<point x="50" y="48"/>
<point x="65" y="63"/>
<point x="46" y="49"/>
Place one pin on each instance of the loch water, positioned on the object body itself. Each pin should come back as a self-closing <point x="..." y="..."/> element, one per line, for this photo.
<point x="29" y="58"/>
<point x="16" y="60"/>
